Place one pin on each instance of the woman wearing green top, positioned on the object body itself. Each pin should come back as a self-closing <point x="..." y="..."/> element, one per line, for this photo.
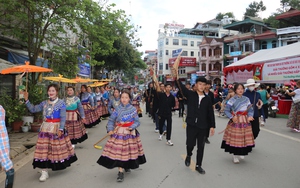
<point x="264" y="97"/>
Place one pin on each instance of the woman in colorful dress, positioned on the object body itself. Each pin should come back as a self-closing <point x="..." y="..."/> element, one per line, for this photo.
<point x="88" y="104"/>
<point x="136" y="99"/>
<point x="124" y="148"/>
<point x="95" y="113"/>
<point x="105" y="100"/>
<point x="52" y="137"/>
<point x="114" y="101"/>
<point x="238" y="137"/>
<point x="294" y="116"/>
<point x="98" y="99"/>
<point x="75" y="118"/>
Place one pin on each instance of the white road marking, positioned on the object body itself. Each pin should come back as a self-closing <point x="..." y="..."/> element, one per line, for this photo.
<point x="282" y="135"/>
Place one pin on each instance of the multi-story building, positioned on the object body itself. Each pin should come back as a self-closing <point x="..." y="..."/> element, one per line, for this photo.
<point x="289" y="35"/>
<point x="253" y="34"/>
<point x="174" y="36"/>
<point x="211" y="58"/>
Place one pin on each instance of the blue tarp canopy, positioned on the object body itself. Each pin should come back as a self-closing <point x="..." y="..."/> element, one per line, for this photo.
<point x="17" y="56"/>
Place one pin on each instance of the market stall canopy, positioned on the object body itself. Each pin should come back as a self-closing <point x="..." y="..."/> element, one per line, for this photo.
<point x="5" y="64"/>
<point x="268" y="55"/>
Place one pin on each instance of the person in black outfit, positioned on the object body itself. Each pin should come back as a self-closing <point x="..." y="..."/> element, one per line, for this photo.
<point x="211" y="95"/>
<point x="148" y="95"/>
<point x="166" y="101"/>
<point x="200" y="120"/>
<point x="181" y="103"/>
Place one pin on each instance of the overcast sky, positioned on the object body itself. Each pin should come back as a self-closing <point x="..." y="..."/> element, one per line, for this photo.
<point x="150" y="13"/>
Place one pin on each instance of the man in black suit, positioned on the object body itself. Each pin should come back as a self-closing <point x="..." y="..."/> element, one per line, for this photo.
<point x="211" y="95"/>
<point x="200" y="119"/>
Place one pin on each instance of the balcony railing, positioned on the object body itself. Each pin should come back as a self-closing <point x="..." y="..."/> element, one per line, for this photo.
<point x="241" y="35"/>
<point x="288" y="30"/>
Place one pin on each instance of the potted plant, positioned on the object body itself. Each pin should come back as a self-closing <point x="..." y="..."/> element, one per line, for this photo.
<point x="14" y="109"/>
<point x="25" y="127"/>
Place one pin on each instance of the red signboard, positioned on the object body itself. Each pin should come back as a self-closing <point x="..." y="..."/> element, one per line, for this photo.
<point x="184" y="61"/>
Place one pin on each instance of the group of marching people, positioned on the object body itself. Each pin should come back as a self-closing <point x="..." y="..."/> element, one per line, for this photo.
<point x="65" y="122"/>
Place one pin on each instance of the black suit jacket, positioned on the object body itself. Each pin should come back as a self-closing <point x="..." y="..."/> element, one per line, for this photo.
<point x="204" y="117"/>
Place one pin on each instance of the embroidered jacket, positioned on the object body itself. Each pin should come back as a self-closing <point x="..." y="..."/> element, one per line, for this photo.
<point x="74" y="103"/>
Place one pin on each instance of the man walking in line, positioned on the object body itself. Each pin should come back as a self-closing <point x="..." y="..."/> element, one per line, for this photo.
<point x="211" y="95"/>
<point x="6" y="163"/>
<point x="200" y="119"/>
<point x="166" y="101"/>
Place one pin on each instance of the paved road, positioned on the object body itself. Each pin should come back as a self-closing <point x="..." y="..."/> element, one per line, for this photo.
<point x="273" y="163"/>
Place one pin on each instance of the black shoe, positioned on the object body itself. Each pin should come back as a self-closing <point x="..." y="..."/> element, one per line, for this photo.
<point x="187" y="160"/>
<point x="207" y="141"/>
<point x="200" y="170"/>
<point x="120" y="177"/>
<point x="127" y="170"/>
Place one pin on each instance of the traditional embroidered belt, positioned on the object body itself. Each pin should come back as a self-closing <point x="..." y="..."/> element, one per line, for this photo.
<point x="241" y="113"/>
<point x="126" y="124"/>
<point x="53" y="120"/>
<point x="71" y="110"/>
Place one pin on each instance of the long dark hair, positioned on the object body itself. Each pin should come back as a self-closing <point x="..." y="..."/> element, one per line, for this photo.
<point x="237" y="85"/>
<point x="85" y="87"/>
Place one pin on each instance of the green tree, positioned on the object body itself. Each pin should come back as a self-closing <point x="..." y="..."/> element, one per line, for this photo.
<point x="254" y="8"/>
<point x="286" y="4"/>
<point x="221" y="15"/>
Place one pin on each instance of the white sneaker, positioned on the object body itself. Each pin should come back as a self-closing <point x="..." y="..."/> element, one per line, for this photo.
<point x="44" y="175"/>
<point x="160" y="137"/>
<point x="242" y="157"/>
<point x="169" y="143"/>
<point x="87" y="132"/>
<point x="156" y="131"/>
<point x="73" y="146"/>
<point x="235" y="160"/>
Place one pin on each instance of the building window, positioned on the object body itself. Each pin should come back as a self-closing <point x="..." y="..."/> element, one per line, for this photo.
<point x="160" y="53"/>
<point x="192" y="43"/>
<point x="192" y="53"/>
<point x="203" y="52"/>
<point x="167" y="66"/>
<point x="183" y="71"/>
<point x="217" y="66"/>
<point x="184" y="42"/>
<point x="167" y="52"/>
<point x="167" y="41"/>
<point x="161" y="66"/>
<point x="217" y="52"/>
<point x="203" y="67"/>
<point x="274" y="44"/>
<point x="184" y="53"/>
<point x="198" y="43"/>
<point x="264" y="45"/>
<point x="175" y="42"/>
<point x="209" y="53"/>
<point x="248" y="47"/>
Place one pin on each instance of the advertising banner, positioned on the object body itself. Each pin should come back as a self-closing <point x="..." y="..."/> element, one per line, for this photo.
<point x="288" y="69"/>
<point x="184" y="62"/>
<point x="240" y="76"/>
<point x="84" y="69"/>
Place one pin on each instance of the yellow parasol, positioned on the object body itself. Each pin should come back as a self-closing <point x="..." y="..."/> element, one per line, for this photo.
<point x="82" y="80"/>
<point x="106" y="80"/>
<point x="25" y="68"/>
<point x="98" y="84"/>
<point x="60" y="78"/>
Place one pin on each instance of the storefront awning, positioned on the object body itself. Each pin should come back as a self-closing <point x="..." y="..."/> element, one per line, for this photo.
<point x="5" y="64"/>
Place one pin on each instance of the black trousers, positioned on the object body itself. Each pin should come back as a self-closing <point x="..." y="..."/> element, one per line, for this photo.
<point x="255" y="127"/>
<point x="181" y="108"/>
<point x="193" y="135"/>
<point x="147" y="106"/>
<point x="162" y="120"/>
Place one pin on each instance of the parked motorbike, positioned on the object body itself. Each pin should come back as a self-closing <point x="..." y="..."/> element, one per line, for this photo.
<point x="272" y="110"/>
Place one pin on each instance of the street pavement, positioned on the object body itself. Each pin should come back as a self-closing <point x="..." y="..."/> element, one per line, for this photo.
<point x="272" y="163"/>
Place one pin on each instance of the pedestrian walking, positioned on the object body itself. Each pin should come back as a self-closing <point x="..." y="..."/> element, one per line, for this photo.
<point x="87" y="101"/>
<point x="211" y="95"/>
<point x="124" y="148"/>
<point x="136" y="99"/>
<point x="238" y="137"/>
<point x="166" y="103"/>
<point x="255" y="100"/>
<point x="52" y="136"/>
<point x="264" y="97"/>
<point x="114" y="101"/>
<point x="6" y="163"/>
<point x="200" y="120"/>
<point x="294" y="116"/>
<point x="75" y="118"/>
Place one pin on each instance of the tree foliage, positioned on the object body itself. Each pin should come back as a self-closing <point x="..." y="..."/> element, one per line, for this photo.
<point x="60" y="26"/>
<point x="221" y="15"/>
<point x="254" y="8"/>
